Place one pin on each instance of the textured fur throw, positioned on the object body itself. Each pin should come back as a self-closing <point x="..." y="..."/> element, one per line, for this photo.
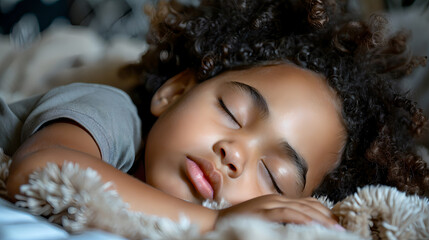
<point x="78" y="200"/>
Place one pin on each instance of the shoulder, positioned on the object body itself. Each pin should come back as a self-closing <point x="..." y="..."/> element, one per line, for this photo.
<point x="78" y="90"/>
<point x="93" y="100"/>
<point x="107" y="113"/>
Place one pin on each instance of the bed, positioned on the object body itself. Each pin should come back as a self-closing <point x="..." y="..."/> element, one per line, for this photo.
<point x="18" y="224"/>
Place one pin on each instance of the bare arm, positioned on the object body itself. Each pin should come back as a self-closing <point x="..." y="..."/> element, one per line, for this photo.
<point x="67" y="141"/>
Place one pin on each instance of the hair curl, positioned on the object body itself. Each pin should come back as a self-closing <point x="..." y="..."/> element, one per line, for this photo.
<point x="360" y="60"/>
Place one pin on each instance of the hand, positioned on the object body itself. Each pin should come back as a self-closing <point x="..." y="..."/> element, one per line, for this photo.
<point x="280" y="209"/>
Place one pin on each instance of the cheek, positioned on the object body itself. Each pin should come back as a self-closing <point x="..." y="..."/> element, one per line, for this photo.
<point x="185" y="128"/>
<point x="241" y="191"/>
<point x="247" y="187"/>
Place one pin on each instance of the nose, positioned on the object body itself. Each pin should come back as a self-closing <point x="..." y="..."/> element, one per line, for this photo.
<point x="233" y="156"/>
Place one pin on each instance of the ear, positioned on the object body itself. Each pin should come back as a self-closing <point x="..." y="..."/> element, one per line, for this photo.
<point x="171" y="91"/>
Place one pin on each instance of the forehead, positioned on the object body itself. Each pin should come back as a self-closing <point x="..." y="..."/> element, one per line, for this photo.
<point x="283" y="76"/>
<point x="285" y="85"/>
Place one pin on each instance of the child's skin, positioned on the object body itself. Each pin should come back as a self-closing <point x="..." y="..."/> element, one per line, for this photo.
<point x="237" y="151"/>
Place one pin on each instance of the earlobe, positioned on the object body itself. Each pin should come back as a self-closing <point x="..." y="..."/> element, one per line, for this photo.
<point x="171" y="91"/>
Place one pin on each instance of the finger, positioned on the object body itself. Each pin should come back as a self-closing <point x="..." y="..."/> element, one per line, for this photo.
<point x="322" y="208"/>
<point x="286" y="215"/>
<point x="313" y="203"/>
<point x="310" y="207"/>
<point x="278" y="201"/>
<point x="313" y="212"/>
<point x="318" y="214"/>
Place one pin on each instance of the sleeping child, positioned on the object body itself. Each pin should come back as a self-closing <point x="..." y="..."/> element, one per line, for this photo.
<point x="263" y="104"/>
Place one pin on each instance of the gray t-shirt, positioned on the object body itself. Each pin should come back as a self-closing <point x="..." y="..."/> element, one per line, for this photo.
<point x="107" y="113"/>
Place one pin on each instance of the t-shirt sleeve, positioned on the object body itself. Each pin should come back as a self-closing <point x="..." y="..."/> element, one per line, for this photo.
<point x="107" y="113"/>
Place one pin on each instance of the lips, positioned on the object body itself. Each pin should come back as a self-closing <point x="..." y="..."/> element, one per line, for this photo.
<point x="203" y="176"/>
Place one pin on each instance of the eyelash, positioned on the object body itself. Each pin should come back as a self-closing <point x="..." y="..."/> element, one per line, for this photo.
<point x="226" y="110"/>
<point x="272" y="179"/>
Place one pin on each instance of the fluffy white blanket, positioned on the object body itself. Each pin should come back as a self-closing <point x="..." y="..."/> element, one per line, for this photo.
<point x="78" y="200"/>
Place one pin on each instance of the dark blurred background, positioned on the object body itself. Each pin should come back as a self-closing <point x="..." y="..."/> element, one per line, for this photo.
<point x="25" y="19"/>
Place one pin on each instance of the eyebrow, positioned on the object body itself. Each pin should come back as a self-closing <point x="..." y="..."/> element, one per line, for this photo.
<point x="257" y="98"/>
<point x="262" y="105"/>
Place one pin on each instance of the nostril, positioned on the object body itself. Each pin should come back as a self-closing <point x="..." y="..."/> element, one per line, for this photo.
<point x="222" y="153"/>
<point x="232" y="167"/>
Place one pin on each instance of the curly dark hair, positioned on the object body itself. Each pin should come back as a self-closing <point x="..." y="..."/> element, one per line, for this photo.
<point x="360" y="59"/>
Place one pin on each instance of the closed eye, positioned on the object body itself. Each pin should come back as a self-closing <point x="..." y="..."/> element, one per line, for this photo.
<point x="273" y="180"/>
<point x="226" y="110"/>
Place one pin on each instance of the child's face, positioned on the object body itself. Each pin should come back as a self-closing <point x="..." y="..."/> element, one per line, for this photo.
<point x="283" y="126"/>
